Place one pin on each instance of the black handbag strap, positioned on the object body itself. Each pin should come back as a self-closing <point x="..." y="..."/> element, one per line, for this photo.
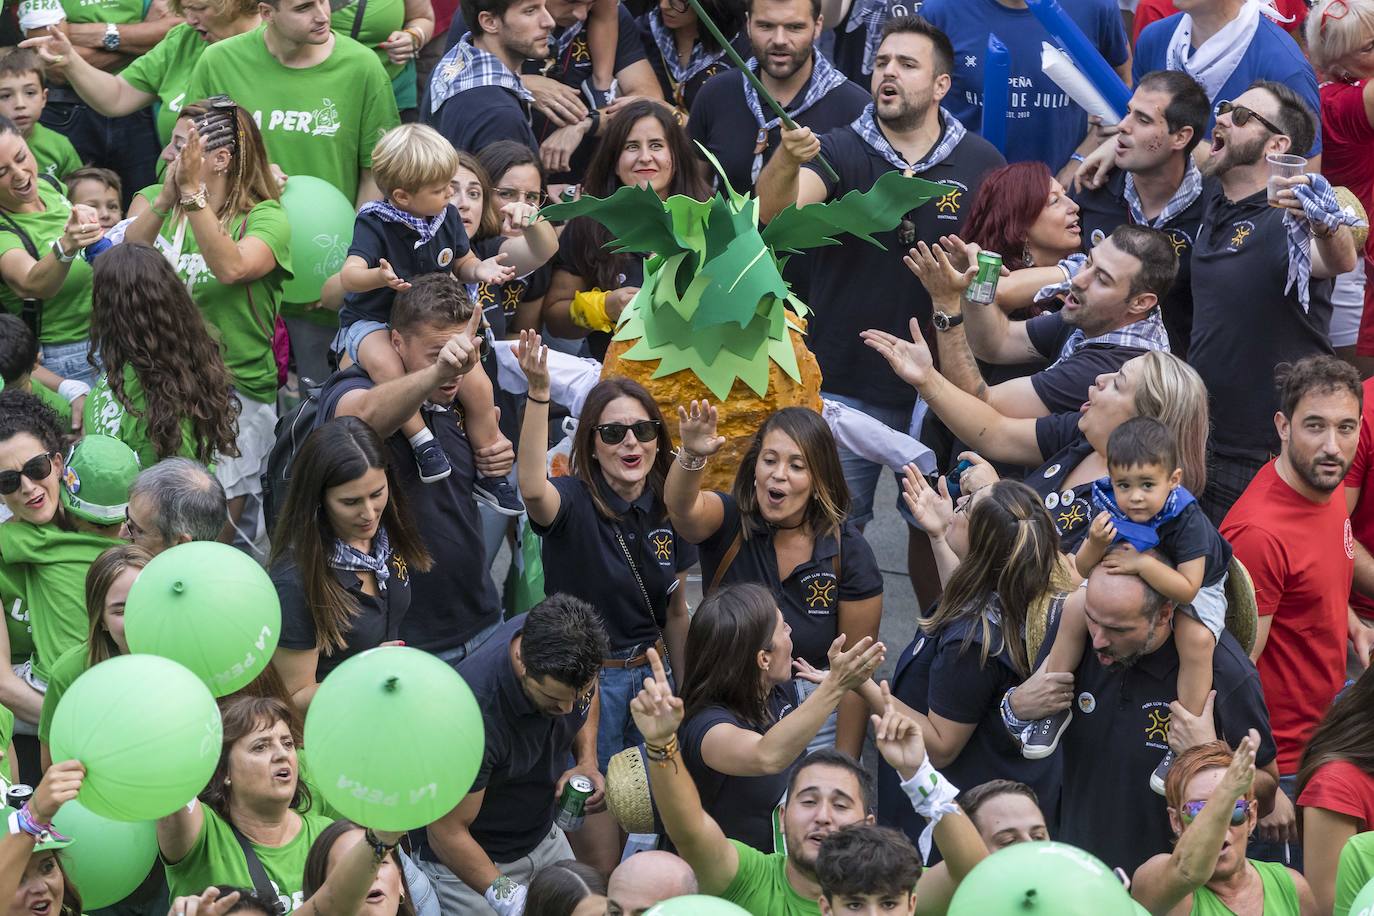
<point x="643" y="592"/>
<point x="358" y="21"/>
<point x="32" y="309"/>
<point x="261" y="883"/>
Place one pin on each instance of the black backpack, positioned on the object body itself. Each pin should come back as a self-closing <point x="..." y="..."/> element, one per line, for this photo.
<point x="292" y="429"/>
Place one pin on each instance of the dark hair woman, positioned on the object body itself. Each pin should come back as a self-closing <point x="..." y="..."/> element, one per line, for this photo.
<point x="642" y="146"/>
<point x="342" y="554"/>
<point x="347" y="873"/>
<point x="784" y="526"/>
<point x="567" y="888"/>
<point x="32" y="879"/>
<point x="516" y="192"/>
<point x="744" y="724"/>
<point x="683" y="53"/>
<point x="164" y="391"/>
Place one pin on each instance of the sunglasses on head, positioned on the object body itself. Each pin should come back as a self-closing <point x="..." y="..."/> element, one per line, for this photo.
<point x="614" y="433"/>
<point x="35" y="469"/>
<point x="1192" y="809"/>
<point x="1240" y="116"/>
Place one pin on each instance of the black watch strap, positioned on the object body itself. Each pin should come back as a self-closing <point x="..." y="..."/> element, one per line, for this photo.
<point x="943" y="321"/>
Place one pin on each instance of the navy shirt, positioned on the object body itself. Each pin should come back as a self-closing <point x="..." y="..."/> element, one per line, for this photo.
<point x="741" y="805"/>
<point x="378" y="619"/>
<point x="810" y="597"/>
<point x="1190" y="535"/>
<point x="375" y="238"/>
<point x="456" y="599"/>
<point x="583" y="557"/>
<point x="1070" y="507"/>
<point x="1063" y="387"/>
<point x="1042" y="121"/>
<point x="501" y="301"/>
<point x="684" y="95"/>
<point x="482" y="115"/>
<point x="856" y="286"/>
<point x="1120" y="732"/>
<point x="1244" y="324"/>
<point x="1102" y="209"/>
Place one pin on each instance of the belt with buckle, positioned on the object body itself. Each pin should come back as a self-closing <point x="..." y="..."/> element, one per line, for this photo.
<point x="638" y="659"/>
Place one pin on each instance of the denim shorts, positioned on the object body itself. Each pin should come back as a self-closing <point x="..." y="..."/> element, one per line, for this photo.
<point x="68" y="360"/>
<point x="349" y="339"/>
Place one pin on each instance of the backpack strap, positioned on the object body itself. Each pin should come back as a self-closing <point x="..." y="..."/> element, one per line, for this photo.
<point x="731" y="552"/>
<point x="261" y="883"/>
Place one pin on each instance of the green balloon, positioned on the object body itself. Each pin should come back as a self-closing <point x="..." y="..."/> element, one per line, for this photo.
<point x="209" y="607"/>
<point x="1055" y="879"/>
<point x="108" y="859"/>
<point x="147" y="731"/>
<point x="696" y="905"/>
<point x="321" y="231"/>
<point x="360" y="734"/>
<point x="1363" y="904"/>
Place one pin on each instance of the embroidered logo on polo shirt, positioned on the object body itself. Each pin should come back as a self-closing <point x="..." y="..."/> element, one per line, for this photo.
<point x="1157" y="725"/>
<point x="661" y="540"/>
<point x="1086" y="703"/>
<point x="1349" y="541"/>
<point x="398" y="564"/>
<point x="1179" y="239"/>
<point x="1072" y="516"/>
<point x="947" y="205"/>
<point x="970" y="61"/>
<point x="1241" y="231"/>
<point x="580" y="54"/>
<point x="820" y="592"/>
<point x="510" y="296"/>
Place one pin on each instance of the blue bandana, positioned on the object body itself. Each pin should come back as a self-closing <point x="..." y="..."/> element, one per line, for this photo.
<point x="346" y="556"/>
<point x="867" y="128"/>
<point x="1319" y="207"/>
<point x="388" y="212"/>
<point x="679" y="73"/>
<point x="467" y="66"/>
<point x="1142" y="536"/>
<point x="824" y="80"/>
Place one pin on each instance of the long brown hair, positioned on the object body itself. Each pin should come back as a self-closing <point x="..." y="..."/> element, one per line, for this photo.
<point x="107" y="567"/>
<point x="317" y="864"/>
<point x="340" y="451"/>
<point x="1013" y="552"/>
<point x="1345" y="733"/>
<point x="243" y="715"/>
<point x="490" y="223"/>
<point x="583" y="456"/>
<point x="143" y="318"/>
<point x="723" y="641"/>
<point x="250" y="171"/>
<point x="828" y="506"/>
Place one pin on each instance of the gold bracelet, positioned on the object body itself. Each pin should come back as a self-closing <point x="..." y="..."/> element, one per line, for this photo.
<point x="662" y="754"/>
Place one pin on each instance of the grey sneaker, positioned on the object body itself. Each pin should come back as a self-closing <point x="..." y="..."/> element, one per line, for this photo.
<point x="432" y="462"/>
<point x="1043" y="736"/>
<point x="498" y="493"/>
<point x="1161" y="772"/>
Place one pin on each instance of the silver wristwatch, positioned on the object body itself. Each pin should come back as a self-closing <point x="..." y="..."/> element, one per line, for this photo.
<point x="111" y="39"/>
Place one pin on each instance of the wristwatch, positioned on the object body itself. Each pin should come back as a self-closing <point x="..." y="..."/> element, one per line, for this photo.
<point x="111" y="39"/>
<point x="196" y="201"/>
<point x="62" y="255"/>
<point x="943" y="321"/>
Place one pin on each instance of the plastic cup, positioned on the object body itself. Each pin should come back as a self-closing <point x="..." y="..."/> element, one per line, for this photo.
<point x="1282" y="165"/>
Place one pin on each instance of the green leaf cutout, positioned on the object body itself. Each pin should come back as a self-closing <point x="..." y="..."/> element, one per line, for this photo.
<point x="858" y="213"/>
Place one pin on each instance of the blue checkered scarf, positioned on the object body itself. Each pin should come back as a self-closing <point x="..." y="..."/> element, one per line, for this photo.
<point x="1146" y="334"/>
<point x="1319" y="206"/>
<point x="467" y="66"/>
<point x="867" y="128"/>
<point x="563" y="41"/>
<point x="824" y="80"/>
<point x="1188" y="191"/>
<point x="871" y="15"/>
<point x="1142" y="536"/>
<point x="346" y="556"/>
<point x="699" y="60"/>
<point x="388" y="212"/>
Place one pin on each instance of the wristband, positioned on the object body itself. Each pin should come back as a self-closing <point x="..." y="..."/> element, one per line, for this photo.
<point x="589" y="311"/>
<point x="530" y="397"/>
<point x="1076" y="156"/>
<point x="158" y="213"/>
<point x="1009" y="718"/>
<point x="690" y="462"/>
<point x="23" y="821"/>
<point x="506" y="897"/>
<point x="933" y="797"/>
<point x="71" y="389"/>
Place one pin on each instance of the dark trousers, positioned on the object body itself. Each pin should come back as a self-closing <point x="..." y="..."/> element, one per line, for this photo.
<point x="128" y="146"/>
<point x="1227" y="478"/>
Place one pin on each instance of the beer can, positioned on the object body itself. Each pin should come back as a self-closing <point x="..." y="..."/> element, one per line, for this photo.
<point x="17" y="795"/>
<point x="572" y="807"/>
<point x="983" y="289"/>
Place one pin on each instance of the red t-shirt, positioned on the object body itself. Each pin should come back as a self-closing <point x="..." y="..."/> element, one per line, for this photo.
<point x="1149" y="10"/>
<point x="1301" y="556"/>
<point x="1348" y="159"/>
<point x="1343" y="788"/>
<point x="1361" y="477"/>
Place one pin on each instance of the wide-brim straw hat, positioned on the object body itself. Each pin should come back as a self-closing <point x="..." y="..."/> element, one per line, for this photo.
<point x="1242" y="613"/>
<point x="1351" y="204"/>
<point x="627" y="791"/>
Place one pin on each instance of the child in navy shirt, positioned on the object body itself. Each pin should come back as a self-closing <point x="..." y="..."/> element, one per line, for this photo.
<point x="413" y="231"/>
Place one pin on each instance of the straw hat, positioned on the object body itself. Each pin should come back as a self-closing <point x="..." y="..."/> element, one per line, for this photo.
<point x="627" y="792"/>
<point x="1351" y="204"/>
<point x="1242" y="613"/>
<point x="1038" y="614"/>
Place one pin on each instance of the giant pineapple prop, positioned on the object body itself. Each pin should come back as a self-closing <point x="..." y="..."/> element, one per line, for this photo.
<point x="714" y="318"/>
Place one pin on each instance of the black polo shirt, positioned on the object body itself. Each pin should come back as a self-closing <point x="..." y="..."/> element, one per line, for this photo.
<point x="1244" y="324"/>
<point x="1102" y="209"/>
<point x="722" y="122"/>
<point x="378" y="619"/>
<point x="583" y="557"/>
<point x="1120" y="732"/>
<point x="525" y="753"/>
<point x="500" y="301"/>
<point x="374" y="239"/>
<point x="687" y="93"/>
<point x="741" y="805"/>
<point x="938" y="674"/>
<point x="1063" y="387"/>
<point x="482" y="115"/>
<point x="1070" y="507"/>
<point x="856" y="286"/>
<point x="810" y="597"/>
<point x="456" y="599"/>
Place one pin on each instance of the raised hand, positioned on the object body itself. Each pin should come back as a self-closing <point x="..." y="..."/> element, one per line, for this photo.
<point x="534" y="362"/>
<point x="1240" y="775"/>
<point x="82" y="229"/>
<point x="55" y="48"/>
<point x="933" y="511"/>
<point x="800" y="145"/>
<point x="898" y="738"/>
<point x="697" y="428"/>
<point x="910" y="359"/>
<point x="494" y="270"/>
<point x="657" y="713"/>
<point x="1103" y="530"/>
<point x="59" y="785"/>
<point x="850" y="669"/>
<point x="517" y="216"/>
<point x="387" y="274"/>
<point x="944" y="281"/>
<point x="209" y="903"/>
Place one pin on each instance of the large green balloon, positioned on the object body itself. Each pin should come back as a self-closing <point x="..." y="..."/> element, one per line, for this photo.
<point x="147" y="731"/>
<point x="108" y="859"/>
<point x="1054" y="879"/>
<point x="321" y="231"/>
<point x="361" y="734"/>
<point x="1363" y="904"/>
<point x="209" y="607"/>
<point x="696" y="905"/>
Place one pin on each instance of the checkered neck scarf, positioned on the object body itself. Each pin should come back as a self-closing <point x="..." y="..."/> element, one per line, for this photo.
<point x="1188" y="191"/>
<point x="346" y="556"/>
<point x="824" y="80"/>
<point x="467" y="66"/>
<point x="562" y="42"/>
<point x="870" y="15"/>
<point x="667" y="49"/>
<point x="388" y="212"/>
<point x="1146" y="334"/>
<point x="867" y="129"/>
<point x="1319" y="206"/>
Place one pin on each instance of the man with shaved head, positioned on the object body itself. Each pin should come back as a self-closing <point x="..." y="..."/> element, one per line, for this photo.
<point x="647" y="878"/>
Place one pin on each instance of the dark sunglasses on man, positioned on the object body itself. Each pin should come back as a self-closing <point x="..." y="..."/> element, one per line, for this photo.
<point x="35" y="469"/>
<point x="614" y="433"/>
<point x="1240" y="116"/>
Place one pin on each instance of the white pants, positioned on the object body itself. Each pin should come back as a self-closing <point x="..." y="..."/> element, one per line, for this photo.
<point x="457" y="899"/>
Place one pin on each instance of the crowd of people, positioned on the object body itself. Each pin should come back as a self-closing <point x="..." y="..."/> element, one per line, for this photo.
<point x="1138" y="539"/>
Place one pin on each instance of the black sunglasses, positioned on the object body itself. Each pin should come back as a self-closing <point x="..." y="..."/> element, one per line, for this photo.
<point x="1240" y="116"/>
<point x="614" y="433"/>
<point x="35" y="469"/>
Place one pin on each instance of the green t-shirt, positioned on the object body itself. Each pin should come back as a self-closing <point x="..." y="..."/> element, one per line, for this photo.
<point x="322" y="120"/>
<point x="1280" y="894"/>
<point x="17" y="626"/>
<point x="217" y="858"/>
<point x="1356" y="869"/>
<point x="105" y="414"/>
<point x="47" y="567"/>
<point x="116" y="11"/>
<point x="54" y="401"/>
<point x="165" y="72"/>
<point x="69" y="666"/>
<point x="761" y="885"/>
<point x="380" y="19"/>
<point x="53" y="152"/>
<point x="67" y="315"/>
<point x="241" y="317"/>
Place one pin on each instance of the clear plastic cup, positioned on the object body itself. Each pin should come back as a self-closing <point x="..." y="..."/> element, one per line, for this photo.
<point x="1282" y="165"/>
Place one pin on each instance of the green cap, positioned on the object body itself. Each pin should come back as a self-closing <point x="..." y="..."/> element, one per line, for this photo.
<point x="95" y="484"/>
<point x="42" y="845"/>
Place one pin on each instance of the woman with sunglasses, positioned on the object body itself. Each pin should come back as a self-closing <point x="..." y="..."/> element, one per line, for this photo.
<point x="218" y="219"/>
<point x="1212" y="807"/>
<point x="606" y="534"/>
<point x="784" y="525"/>
<point x="683" y="53"/>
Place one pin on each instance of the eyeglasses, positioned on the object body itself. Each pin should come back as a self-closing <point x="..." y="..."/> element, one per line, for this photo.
<point x="614" y="433"/>
<point x="513" y="195"/>
<point x="679" y="6"/>
<point x="135" y="531"/>
<point x="1331" y="13"/>
<point x="1240" y="116"/>
<point x="1192" y="809"/>
<point x="35" y="469"/>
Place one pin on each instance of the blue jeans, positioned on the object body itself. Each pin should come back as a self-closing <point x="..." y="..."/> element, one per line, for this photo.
<point x="69" y="361"/>
<point x="617" y="687"/>
<point x="861" y="474"/>
<point x="1289" y="854"/>
<point x="458" y="653"/>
